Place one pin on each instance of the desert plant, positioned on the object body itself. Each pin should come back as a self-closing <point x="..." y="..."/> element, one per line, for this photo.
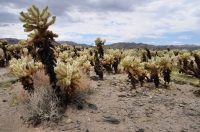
<point x="117" y="54"/>
<point x="87" y="67"/>
<point x="153" y="69"/>
<point x="107" y="62"/>
<point x="24" y="71"/>
<point x="42" y="38"/>
<point x="99" y="44"/>
<point x="135" y="70"/>
<point x="42" y="106"/>
<point x="166" y="66"/>
<point x="68" y="76"/>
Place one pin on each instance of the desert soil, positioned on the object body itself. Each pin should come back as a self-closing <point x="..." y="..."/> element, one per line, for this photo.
<point x="110" y="106"/>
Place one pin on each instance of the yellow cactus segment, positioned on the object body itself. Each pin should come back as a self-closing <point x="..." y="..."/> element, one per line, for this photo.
<point x="18" y="67"/>
<point x="64" y="46"/>
<point x="22" y="68"/>
<point x="165" y="63"/>
<point x="58" y="49"/>
<point x="108" y="59"/>
<point x="87" y="66"/>
<point x="91" y="58"/>
<point x="25" y="50"/>
<point x="82" y="59"/>
<point x="67" y="74"/>
<point x="153" y="63"/>
<point x="36" y="20"/>
<point x="70" y="60"/>
<point x="133" y="65"/>
<point x="116" y="53"/>
<point x="23" y="42"/>
<point x="39" y="65"/>
<point x="63" y="55"/>
<point x="99" y="43"/>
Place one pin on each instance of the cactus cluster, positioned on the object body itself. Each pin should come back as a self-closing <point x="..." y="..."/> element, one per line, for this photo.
<point x="99" y="44"/>
<point x="35" y="19"/>
<point x="68" y="75"/>
<point x="135" y="69"/>
<point x="24" y="71"/>
<point x="166" y="65"/>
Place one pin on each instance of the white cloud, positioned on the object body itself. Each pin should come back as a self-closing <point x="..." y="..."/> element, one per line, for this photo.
<point x="184" y="37"/>
<point x="148" y="19"/>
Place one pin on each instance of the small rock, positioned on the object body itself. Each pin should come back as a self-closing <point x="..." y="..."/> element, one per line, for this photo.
<point x="69" y="121"/>
<point x="87" y="130"/>
<point x="111" y="120"/>
<point x="4" y="100"/>
<point x="92" y="106"/>
<point x="181" y="105"/>
<point x="99" y="84"/>
<point x="140" y="130"/>
<point x="122" y="95"/>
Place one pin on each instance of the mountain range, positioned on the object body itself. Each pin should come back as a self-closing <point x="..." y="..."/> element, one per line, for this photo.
<point x="124" y="45"/>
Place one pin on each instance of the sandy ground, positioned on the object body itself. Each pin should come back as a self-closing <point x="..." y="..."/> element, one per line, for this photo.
<point x="111" y="107"/>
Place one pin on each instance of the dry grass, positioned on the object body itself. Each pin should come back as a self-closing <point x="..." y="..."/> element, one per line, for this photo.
<point x="43" y="104"/>
<point x="23" y="95"/>
<point x="84" y="80"/>
<point x="40" y="79"/>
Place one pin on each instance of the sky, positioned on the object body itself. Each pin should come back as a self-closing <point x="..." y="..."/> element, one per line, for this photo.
<point x="157" y="22"/>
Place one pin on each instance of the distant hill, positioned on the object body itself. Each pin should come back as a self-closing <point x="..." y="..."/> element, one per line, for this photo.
<point x="11" y="40"/>
<point x="142" y="45"/>
<point x="72" y="43"/>
<point x="121" y="45"/>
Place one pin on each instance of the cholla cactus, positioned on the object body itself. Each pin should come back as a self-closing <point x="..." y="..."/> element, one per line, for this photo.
<point x="64" y="46"/>
<point x="152" y="67"/>
<point x="99" y="44"/>
<point x="35" y="19"/>
<point x="25" y="51"/>
<point x="23" y="42"/>
<point x="63" y="55"/>
<point x="68" y="76"/>
<point x="166" y="65"/>
<point x="81" y="60"/>
<point x="184" y="59"/>
<point x="144" y="56"/>
<point x="87" y="67"/>
<point x="42" y="39"/>
<point x="117" y="54"/>
<point x="107" y="62"/>
<point x="3" y="45"/>
<point x="58" y="49"/>
<point x="135" y="69"/>
<point x="91" y="59"/>
<point x="24" y="71"/>
<point x="18" y="67"/>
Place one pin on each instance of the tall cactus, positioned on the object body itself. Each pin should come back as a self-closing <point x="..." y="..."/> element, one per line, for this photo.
<point x="42" y="38"/>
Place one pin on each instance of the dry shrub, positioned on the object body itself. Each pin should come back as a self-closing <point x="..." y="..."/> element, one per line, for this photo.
<point x="23" y="95"/>
<point x="40" y="78"/>
<point x="84" y="80"/>
<point x="42" y="105"/>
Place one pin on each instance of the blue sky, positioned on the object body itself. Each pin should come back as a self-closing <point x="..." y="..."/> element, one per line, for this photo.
<point x="158" y="22"/>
